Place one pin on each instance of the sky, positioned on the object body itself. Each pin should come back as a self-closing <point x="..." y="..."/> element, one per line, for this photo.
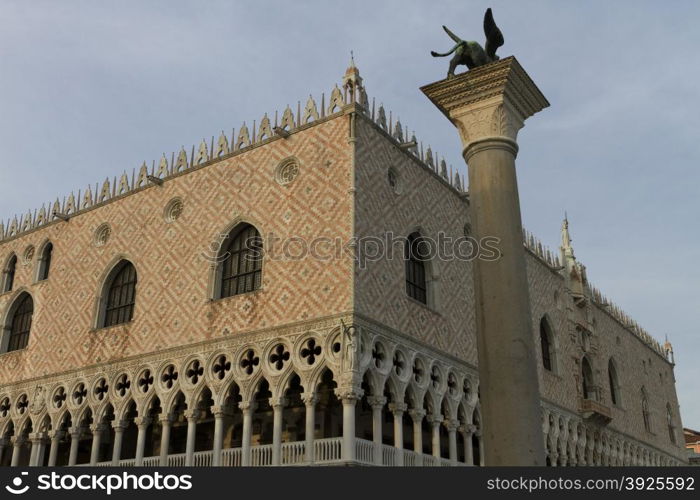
<point x="90" y="89"/>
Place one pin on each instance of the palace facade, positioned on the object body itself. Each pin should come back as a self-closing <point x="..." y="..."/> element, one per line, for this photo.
<point x="242" y="304"/>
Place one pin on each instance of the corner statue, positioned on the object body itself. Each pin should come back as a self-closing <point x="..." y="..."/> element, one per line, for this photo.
<point x="472" y="54"/>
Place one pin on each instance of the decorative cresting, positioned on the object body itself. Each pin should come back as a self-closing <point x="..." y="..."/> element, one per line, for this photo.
<point x="352" y="92"/>
<point x="491" y="101"/>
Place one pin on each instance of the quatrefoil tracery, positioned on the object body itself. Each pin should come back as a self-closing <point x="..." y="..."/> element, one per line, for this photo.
<point x="221" y="367"/>
<point x="101" y="389"/>
<point x="5" y="407"/>
<point x="249" y="362"/>
<point x="279" y="356"/>
<point x="146" y="381"/>
<point x="311" y="351"/>
<point x="59" y="397"/>
<point x="79" y="394"/>
<point x="195" y="372"/>
<point x="169" y="376"/>
<point x="22" y="404"/>
<point x="123" y="384"/>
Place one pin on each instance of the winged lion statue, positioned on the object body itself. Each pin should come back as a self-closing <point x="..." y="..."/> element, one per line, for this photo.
<point x="472" y="54"/>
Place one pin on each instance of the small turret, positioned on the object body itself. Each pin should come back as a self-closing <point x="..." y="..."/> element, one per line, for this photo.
<point x="575" y="271"/>
<point x="352" y="83"/>
<point x="668" y="350"/>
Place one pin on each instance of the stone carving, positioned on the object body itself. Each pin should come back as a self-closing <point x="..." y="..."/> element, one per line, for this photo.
<point x="38" y="401"/>
<point x="472" y="54"/>
<point x="222" y="145"/>
<point x="265" y="129"/>
<point x="310" y="111"/>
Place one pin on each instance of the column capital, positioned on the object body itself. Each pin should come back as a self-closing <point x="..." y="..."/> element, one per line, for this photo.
<point x="276" y="402"/>
<point x="119" y="425"/>
<point x="192" y="415"/>
<point x="467" y="430"/>
<point x="97" y="428"/>
<point x="376" y="402"/>
<point x="247" y="405"/>
<point x="417" y="414"/>
<point x="398" y="408"/>
<point x="435" y="419"/>
<point x="75" y="432"/>
<point x="451" y="424"/>
<point x="310" y="399"/>
<point x="166" y="418"/>
<point x="57" y="434"/>
<point x="143" y="421"/>
<point x="37" y="437"/>
<point x="489" y="101"/>
<point x="18" y="440"/>
<point x="220" y="411"/>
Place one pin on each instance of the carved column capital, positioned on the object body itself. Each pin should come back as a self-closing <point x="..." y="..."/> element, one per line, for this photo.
<point x="398" y="408"/>
<point x="376" y="402"/>
<point x="192" y="415"/>
<point x="310" y="400"/>
<point x="417" y="415"/>
<point x="488" y="102"/>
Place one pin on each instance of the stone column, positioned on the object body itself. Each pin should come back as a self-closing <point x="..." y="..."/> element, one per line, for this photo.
<point x="349" y="400"/>
<point x="468" y="449"/>
<point x="220" y="414"/>
<point x="398" y="410"/>
<point x="310" y="431"/>
<point x="451" y="426"/>
<point x="142" y="424"/>
<point x="192" y="416"/>
<point x="488" y="105"/>
<point x="75" y="433"/>
<point x="377" y="403"/>
<point x="56" y="437"/>
<point x="277" y="414"/>
<point x="17" y="443"/>
<point x="96" y="430"/>
<point x="119" y="428"/>
<point x="3" y="447"/>
<point x="435" y="422"/>
<point x="35" y="440"/>
<point x="165" y="425"/>
<point x="417" y="416"/>
<point x="482" y="452"/>
<point x="247" y="410"/>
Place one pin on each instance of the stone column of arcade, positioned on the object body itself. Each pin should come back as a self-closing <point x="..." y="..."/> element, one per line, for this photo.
<point x="488" y="105"/>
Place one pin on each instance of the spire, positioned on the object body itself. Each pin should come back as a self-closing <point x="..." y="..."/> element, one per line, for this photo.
<point x="566" y="247"/>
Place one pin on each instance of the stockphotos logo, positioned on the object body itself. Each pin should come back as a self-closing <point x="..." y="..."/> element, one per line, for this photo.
<point x="17" y="488"/>
<point x="104" y="482"/>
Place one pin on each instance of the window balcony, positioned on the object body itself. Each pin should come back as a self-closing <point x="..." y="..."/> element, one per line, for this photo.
<point x="595" y="411"/>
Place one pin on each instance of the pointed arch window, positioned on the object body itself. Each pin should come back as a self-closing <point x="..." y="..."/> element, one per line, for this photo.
<point x="21" y="323"/>
<point x="9" y="274"/>
<point x="415" y="258"/>
<point x="45" y="262"/>
<point x="671" y="427"/>
<point x="587" y="380"/>
<point x="241" y="269"/>
<point x="546" y="345"/>
<point x="645" y="411"/>
<point x="613" y="383"/>
<point x="120" y="295"/>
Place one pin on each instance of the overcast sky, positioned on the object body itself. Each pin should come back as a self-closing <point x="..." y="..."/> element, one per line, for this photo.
<point x="89" y="89"/>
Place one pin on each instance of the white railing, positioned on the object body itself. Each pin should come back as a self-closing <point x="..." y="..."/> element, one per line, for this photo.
<point x="232" y="457"/>
<point x="364" y="451"/>
<point x="203" y="458"/>
<point x="327" y="450"/>
<point x="389" y="455"/>
<point x="176" y="460"/>
<point x="411" y="458"/>
<point x="293" y="453"/>
<point x="261" y="455"/>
